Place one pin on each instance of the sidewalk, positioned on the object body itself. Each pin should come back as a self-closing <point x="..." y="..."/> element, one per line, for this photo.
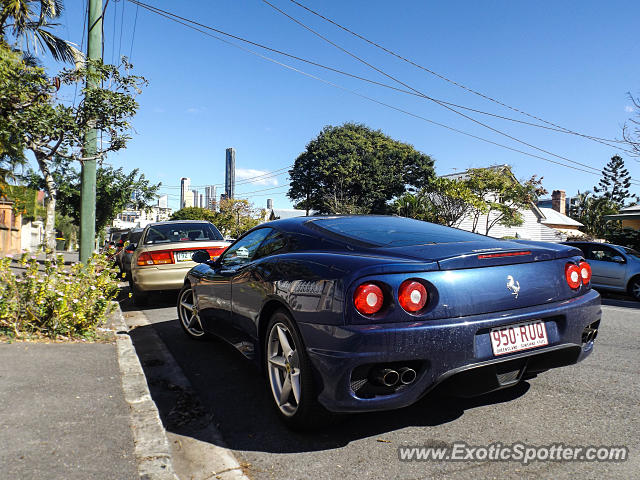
<point x="63" y="413"/>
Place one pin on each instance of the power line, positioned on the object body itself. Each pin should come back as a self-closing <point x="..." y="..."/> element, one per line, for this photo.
<point x="121" y="29"/>
<point x="170" y="16"/>
<point x="133" y="35"/>
<point x="486" y="97"/>
<point x="176" y="18"/>
<point x="382" y="72"/>
<point x="261" y="177"/>
<point x="113" y="35"/>
<point x="182" y="20"/>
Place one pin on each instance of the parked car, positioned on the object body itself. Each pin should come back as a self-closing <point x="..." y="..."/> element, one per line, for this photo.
<point x="362" y="313"/>
<point x="162" y="256"/>
<point x="124" y="256"/>
<point x="614" y="267"/>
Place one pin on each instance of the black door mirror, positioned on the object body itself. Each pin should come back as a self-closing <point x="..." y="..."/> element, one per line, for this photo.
<point x="130" y="248"/>
<point x="200" y="256"/>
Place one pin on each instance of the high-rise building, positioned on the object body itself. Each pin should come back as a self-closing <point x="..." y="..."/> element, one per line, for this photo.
<point x="163" y="201"/>
<point x="201" y="200"/>
<point x="194" y="196"/>
<point x="230" y="173"/>
<point x="186" y="198"/>
<point x="210" y="197"/>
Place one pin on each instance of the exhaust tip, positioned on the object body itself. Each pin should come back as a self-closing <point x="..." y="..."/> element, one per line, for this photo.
<point x="386" y="377"/>
<point x="407" y="375"/>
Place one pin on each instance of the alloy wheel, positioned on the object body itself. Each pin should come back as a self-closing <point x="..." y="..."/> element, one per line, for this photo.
<point x="635" y="289"/>
<point x="283" y="364"/>
<point x="188" y="312"/>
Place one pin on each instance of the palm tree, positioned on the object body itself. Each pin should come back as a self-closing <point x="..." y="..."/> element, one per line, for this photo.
<point x="31" y="20"/>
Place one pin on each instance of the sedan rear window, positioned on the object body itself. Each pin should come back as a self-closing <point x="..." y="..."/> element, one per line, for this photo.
<point x="383" y="231"/>
<point x="181" y="232"/>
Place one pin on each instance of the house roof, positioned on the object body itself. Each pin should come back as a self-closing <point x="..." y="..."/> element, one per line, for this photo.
<point x="631" y="209"/>
<point x="465" y="174"/>
<point x="553" y="217"/>
<point x="628" y="213"/>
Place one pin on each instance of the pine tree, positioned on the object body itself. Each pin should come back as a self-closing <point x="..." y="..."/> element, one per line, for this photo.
<point x="615" y="182"/>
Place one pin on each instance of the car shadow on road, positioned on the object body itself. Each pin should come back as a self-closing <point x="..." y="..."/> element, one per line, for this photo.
<point x="230" y="392"/>
<point x="616" y="300"/>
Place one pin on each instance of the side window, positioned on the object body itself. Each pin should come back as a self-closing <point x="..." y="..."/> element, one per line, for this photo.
<point x="603" y="254"/>
<point x="274" y="243"/>
<point x="244" y="250"/>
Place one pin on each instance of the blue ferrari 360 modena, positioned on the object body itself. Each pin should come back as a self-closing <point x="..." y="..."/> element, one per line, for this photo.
<point x="362" y="313"/>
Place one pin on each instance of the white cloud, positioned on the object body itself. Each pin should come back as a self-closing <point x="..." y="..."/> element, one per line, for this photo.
<point x="194" y="110"/>
<point x="628" y="109"/>
<point x="249" y="174"/>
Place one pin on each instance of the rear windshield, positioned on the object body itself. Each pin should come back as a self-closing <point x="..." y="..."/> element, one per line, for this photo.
<point x="181" y="232"/>
<point x="134" y="237"/>
<point x="392" y="231"/>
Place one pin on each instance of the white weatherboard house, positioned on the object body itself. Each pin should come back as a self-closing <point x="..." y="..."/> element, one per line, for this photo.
<point x="541" y="224"/>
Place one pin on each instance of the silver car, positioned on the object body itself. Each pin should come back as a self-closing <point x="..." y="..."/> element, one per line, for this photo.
<point x="613" y="267"/>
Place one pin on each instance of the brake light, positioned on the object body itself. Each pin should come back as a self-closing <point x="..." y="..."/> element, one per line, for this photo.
<point x="573" y="275"/>
<point x="155" y="258"/>
<point x="216" y="251"/>
<point x="368" y="298"/>
<point x="505" y="254"/>
<point x="585" y="272"/>
<point x="412" y="295"/>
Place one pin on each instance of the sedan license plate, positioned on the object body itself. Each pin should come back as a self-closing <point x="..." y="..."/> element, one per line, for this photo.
<point x="521" y="336"/>
<point x="182" y="256"/>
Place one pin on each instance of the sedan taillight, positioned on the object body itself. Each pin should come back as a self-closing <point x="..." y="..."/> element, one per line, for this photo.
<point x="585" y="272"/>
<point x="155" y="258"/>
<point x="573" y="275"/>
<point x="368" y="298"/>
<point x="215" y="252"/>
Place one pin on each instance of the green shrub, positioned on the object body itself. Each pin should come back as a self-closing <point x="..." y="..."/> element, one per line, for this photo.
<point x="61" y="301"/>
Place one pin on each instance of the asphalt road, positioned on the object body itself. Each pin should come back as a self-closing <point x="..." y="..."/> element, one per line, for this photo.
<point x="596" y="402"/>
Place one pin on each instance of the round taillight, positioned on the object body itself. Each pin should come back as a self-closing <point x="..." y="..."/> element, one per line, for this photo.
<point x="368" y="298"/>
<point x="412" y="296"/>
<point x="572" y="273"/>
<point x="585" y="272"/>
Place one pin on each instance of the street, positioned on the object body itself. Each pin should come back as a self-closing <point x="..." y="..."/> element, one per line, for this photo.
<point x="592" y="403"/>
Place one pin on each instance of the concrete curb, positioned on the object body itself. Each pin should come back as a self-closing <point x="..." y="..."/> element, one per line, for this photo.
<point x="151" y="446"/>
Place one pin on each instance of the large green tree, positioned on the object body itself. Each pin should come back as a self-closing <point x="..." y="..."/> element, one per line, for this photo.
<point x="37" y="120"/>
<point x="615" y="182"/>
<point x="115" y="191"/>
<point x="353" y="169"/>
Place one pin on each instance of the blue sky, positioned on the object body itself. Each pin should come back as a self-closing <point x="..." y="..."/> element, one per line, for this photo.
<point x="570" y="63"/>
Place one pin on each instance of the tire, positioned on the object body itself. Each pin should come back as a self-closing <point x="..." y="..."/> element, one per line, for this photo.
<point x="140" y="298"/>
<point x="290" y="376"/>
<point x="634" y="288"/>
<point x="188" y="316"/>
